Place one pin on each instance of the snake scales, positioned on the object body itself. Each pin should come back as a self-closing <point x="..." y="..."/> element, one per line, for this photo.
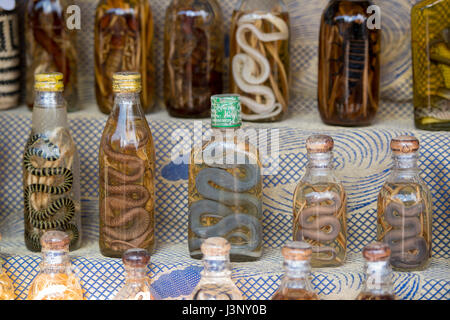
<point x="45" y="219"/>
<point x="125" y="221"/>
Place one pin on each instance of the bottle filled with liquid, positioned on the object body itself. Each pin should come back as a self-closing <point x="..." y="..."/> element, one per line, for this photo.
<point x="50" y="47"/>
<point x="51" y="168"/>
<point x="430" y="31"/>
<point x="215" y="282"/>
<point x="259" y="59"/>
<point x="405" y="209"/>
<point x="378" y="282"/>
<point x="320" y="203"/>
<point x="6" y="286"/>
<point x="349" y="64"/>
<point x="137" y="283"/>
<point x="193" y="56"/>
<point x="296" y="284"/>
<point x="55" y="280"/>
<point x="127" y="173"/>
<point x="225" y="186"/>
<point x="124" y="42"/>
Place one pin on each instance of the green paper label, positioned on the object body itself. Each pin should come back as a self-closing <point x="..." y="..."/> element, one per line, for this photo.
<point x="225" y="111"/>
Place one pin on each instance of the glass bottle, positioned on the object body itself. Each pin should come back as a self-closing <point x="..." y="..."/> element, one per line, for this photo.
<point x="6" y="286"/>
<point x="51" y="168"/>
<point x="55" y="280"/>
<point x="378" y="282"/>
<point x="349" y="64"/>
<point x="127" y="173"/>
<point x="215" y="282"/>
<point x="193" y="56"/>
<point x="430" y="31"/>
<point x="124" y="42"/>
<point x="405" y="209"/>
<point x="137" y="283"/>
<point x="225" y="186"/>
<point x="320" y="206"/>
<point x="50" y="47"/>
<point x="296" y="284"/>
<point x="259" y="58"/>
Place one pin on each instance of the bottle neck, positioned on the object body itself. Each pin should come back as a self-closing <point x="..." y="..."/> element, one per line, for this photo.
<point x="49" y="111"/>
<point x="55" y="262"/>
<point x="378" y="278"/>
<point x="135" y="275"/>
<point x="296" y="275"/>
<point x="127" y="105"/>
<point x="216" y="267"/>
<point x="320" y="163"/>
<point x="405" y="167"/>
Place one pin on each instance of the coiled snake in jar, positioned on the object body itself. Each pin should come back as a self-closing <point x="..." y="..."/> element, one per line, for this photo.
<point x="324" y="218"/>
<point x="132" y="227"/>
<point x="406" y="235"/>
<point x="216" y="205"/>
<point x="44" y="219"/>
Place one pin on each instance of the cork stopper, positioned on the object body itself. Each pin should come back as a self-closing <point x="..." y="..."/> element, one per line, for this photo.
<point x="297" y="251"/>
<point x="319" y="144"/>
<point x="49" y="81"/>
<point x="127" y="82"/>
<point x="215" y="247"/>
<point x="376" y="251"/>
<point x="136" y="258"/>
<point x="404" y="145"/>
<point x="55" y="241"/>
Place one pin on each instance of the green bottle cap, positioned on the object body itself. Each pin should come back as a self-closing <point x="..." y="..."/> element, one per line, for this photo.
<point x="226" y="111"/>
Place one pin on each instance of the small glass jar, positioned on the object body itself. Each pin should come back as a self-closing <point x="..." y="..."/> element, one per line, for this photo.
<point x="320" y="206"/>
<point x="55" y="280"/>
<point x="215" y="282"/>
<point x="259" y="59"/>
<point x="193" y="56"/>
<point x="405" y="209"/>
<point x="137" y="283"/>
<point x="378" y="281"/>
<point x="296" y="284"/>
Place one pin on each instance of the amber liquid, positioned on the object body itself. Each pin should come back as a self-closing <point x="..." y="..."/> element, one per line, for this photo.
<point x="124" y="42"/>
<point x="126" y="219"/>
<point x="55" y="286"/>
<point x="370" y="296"/>
<point x="349" y="65"/>
<point x="295" y="294"/>
<point x="6" y="287"/>
<point x="193" y="63"/>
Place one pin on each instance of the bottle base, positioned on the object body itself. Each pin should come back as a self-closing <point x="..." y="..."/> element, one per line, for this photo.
<point x="175" y="114"/>
<point x="435" y="126"/>
<point x="233" y="257"/>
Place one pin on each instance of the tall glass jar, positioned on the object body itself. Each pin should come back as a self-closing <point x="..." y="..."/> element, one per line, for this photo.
<point x="259" y="58"/>
<point x="127" y="173"/>
<point x="51" y="168"/>
<point x="430" y="31"/>
<point x="124" y="42"/>
<point x="193" y="56"/>
<point x="405" y="209"/>
<point x="50" y="47"/>
<point x="320" y="203"/>
<point x="225" y="186"/>
<point x="349" y="64"/>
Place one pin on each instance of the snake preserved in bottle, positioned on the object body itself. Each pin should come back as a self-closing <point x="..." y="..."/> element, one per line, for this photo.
<point x="44" y="219"/>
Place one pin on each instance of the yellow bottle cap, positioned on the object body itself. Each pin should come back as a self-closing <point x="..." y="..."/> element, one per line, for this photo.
<point x="49" y="81"/>
<point x="127" y="82"/>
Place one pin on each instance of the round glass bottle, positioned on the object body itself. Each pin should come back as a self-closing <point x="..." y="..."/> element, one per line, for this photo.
<point x="378" y="281"/>
<point x="127" y="173"/>
<point x="259" y="58"/>
<point x="51" y="168"/>
<point x="320" y="203"/>
<point x="296" y="284"/>
<point x="349" y="64"/>
<point x="193" y="56"/>
<point x="225" y="186"/>
<point x="124" y="42"/>
<point x="55" y="280"/>
<point x="405" y="209"/>
<point x="50" y="47"/>
<point x="215" y="282"/>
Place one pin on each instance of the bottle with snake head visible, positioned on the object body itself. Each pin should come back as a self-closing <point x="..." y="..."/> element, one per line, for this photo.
<point x="320" y="203"/>
<point x="405" y="209"/>
<point x="215" y="282"/>
<point x="259" y="59"/>
<point x="378" y="282"/>
<point x="127" y="173"/>
<point x="51" y="168"/>
<point x="56" y="279"/>
<point x="225" y="185"/>
<point x="296" y="284"/>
